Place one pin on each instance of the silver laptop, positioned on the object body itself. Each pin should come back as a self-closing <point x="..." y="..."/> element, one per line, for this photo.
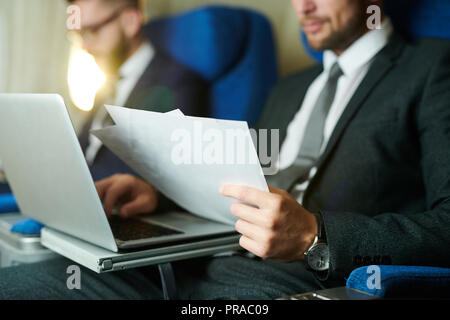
<point x="51" y="181"/>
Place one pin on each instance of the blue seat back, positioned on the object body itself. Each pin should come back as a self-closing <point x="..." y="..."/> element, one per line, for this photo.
<point x="8" y="203"/>
<point x="232" y="48"/>
<point x="413" y="18"/>
<point x="420" y="18"/>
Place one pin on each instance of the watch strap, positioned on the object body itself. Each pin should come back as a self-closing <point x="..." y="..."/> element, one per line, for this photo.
<point x="320" y="228"/>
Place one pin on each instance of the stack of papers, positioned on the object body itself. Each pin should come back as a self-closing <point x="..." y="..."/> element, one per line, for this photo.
<point x="186" y="158"/>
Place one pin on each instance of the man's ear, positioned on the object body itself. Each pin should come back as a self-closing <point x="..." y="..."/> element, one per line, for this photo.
<point x="131" y="20"/>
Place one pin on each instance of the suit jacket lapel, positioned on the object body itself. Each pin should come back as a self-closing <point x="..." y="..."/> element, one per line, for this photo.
<point x="146" y="81"/>
<point x="291" y="108"/>
<point x="279" y="112"/>
<point x="155" y="89"/>
<point x="380" y="67"/>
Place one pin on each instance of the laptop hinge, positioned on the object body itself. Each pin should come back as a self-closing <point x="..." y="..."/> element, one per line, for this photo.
<point x="106" y="265"/>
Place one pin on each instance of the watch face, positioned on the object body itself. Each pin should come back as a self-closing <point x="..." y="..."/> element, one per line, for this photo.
<point x="319" y="257"/>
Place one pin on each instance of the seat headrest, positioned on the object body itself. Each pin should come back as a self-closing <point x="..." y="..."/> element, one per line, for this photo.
<point x="420" y="18"/>
<point x="209" y="39"/>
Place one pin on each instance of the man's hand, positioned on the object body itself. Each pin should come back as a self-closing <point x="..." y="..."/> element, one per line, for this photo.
<point x="136" y="196"/>
<point x="279" y="228"/>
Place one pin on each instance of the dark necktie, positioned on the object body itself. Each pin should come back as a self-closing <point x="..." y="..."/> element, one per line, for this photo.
<point x="313" y="138"/>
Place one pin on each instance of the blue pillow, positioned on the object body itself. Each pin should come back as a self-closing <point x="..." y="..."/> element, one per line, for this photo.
<point x="27" y="227"/>
<point x="402" y="281"/>
<point x="8" y="203"/>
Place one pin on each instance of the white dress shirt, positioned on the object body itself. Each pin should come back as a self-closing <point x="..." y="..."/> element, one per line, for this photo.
<point x="130" y="73"/>
<point x="355" y="63"/>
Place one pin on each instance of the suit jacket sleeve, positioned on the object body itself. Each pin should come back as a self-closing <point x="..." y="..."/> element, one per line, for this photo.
<point x="420" y="238"/>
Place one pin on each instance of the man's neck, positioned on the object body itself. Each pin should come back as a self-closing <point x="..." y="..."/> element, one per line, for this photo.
<point x="339" y="52"/>
<point x="134" y="46"/>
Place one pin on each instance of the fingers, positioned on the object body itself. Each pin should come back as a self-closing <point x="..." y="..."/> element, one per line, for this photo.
<point x="250" y="231"/>
<point x="252" y="246"/>
<point x="277" y="191"/>
<point x="102" y="187"/>
<point x="246" y="194"/>
<point x="249" y="214"/>
<point x="136" y="195"/>
<point x="142" y="204"/>
<point x="113" y="194"/>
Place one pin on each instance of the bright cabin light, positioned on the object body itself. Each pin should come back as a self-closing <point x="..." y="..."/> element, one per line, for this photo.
<point x="85" y="78"/>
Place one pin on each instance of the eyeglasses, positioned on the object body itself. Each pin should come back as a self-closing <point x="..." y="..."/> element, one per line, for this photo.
<point x="93" y="30"/>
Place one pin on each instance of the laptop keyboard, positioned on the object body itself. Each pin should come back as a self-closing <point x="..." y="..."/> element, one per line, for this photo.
<point x="133" y="229"/>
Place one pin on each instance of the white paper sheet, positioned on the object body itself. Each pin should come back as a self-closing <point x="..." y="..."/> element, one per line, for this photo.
<point x="151" y="144"/>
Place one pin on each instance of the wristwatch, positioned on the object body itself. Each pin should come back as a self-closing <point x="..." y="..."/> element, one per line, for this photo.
<point x="318" y="255"/>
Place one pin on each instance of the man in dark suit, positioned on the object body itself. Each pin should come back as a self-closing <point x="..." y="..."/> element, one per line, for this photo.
<point x="139" y="74"/>
<point x="364" y="170"/>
